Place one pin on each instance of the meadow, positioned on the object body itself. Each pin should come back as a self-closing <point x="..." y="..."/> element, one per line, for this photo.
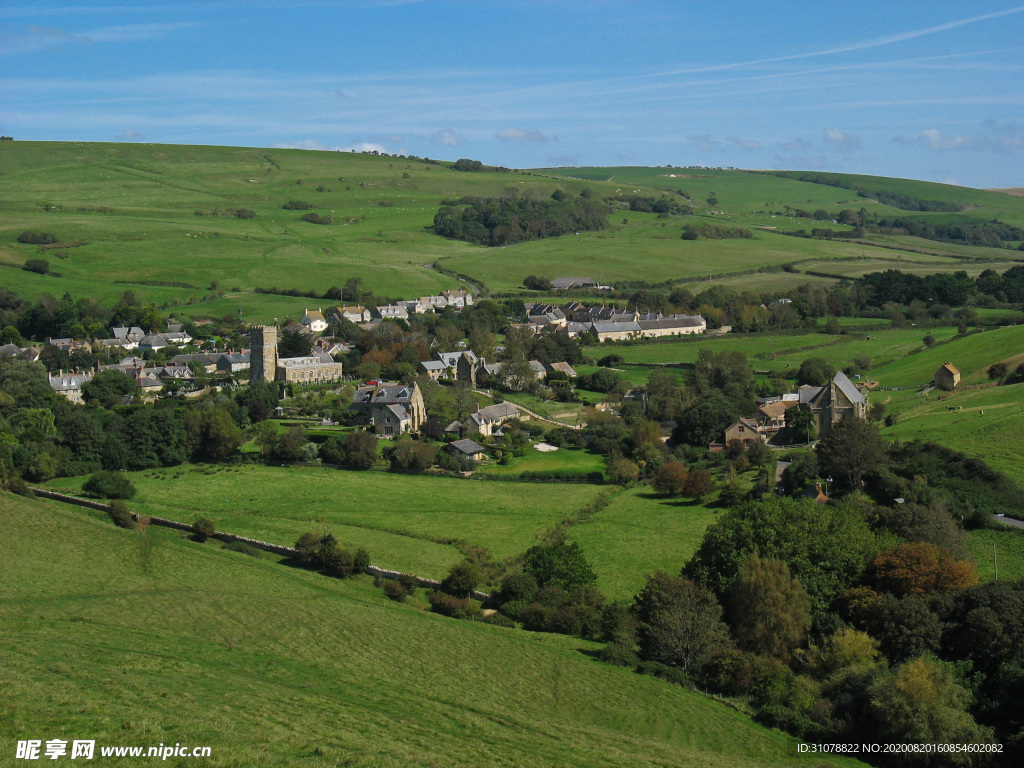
<point x="157" y="219"/>
<point x="407" y="522"/>
<point x="639" y="533"/>
<point x="134" y="638"/>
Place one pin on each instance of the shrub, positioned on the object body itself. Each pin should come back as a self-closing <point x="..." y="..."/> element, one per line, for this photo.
<point x="519" y="586"/>
<point x="119" y="513"/>
<point x="245" y="549"/>
<point x="32" y="237"/>
<point x="316" y="218"/>
<point x="109" y="485"/>
<point x="514" y="608"/>
<point x="461" y="580"/>
<point x="455" y="607"/>
<point x="204" y="528"/>
<point x="361" y="560"/>
<point x="40" y="266"/>
<point x="394" y="590"/>
<point x="620" y="655"/>
<point x="499" y="620"/>
<point x="409" y="583"/>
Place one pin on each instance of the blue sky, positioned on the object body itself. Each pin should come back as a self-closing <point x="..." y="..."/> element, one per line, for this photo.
<point x="910" y="89"/>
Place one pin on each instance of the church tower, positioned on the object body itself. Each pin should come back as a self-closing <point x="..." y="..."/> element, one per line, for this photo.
<point x="263" y="354"/>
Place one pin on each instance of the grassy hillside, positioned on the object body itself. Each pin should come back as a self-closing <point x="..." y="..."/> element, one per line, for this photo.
<point x="135" y="638"/>
<point x="126" y="215"/>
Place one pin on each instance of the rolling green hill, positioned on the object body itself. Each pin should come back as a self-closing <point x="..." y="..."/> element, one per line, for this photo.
<point x="133" y="638"/>
<point x="159" y="220"/>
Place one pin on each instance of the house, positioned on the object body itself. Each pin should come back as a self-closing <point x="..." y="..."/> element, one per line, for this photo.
<point x="466" y="447"/>
<point x="565" y="368"/>
<point x="947" y="377"/>
<point x="354" y="314"/>
<point x="615" y="331"/>
<point x="70" y="384"/>
<point x="568" y="283"/>
<point x="148" y="384"/>
<point x="435" y="369"/>
<point x="390" y="409"/>
<point x="677" y="325"/>
<point x="206" y="360"/>
<point x="744" y="430"/>
<point x="837" y="400"/>
<point x="390" y="312"/>
<point x="458" y="299"/>
<point x="314" y="320"/>
<point x="638" y="395"/>
<point x="436" y="303"/>
<point x="771" y="417"/>
<point x="486" y="420"/>
<point x="232" y="362"/>
<point x="132" y="335"/>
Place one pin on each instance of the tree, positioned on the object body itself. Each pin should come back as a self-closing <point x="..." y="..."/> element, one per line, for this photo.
<point x="108" y="387"/>
<point x="679" y="623"/>
<point x="109" y="485"/>
<point x="40" y="266"/>
<point x="921" y="568"/>
<point x="815" y="372"/>
<point x="704" y="422"/>
<point x="826" y="547"/>
<point x="559" y="565"/>
<point x="294" y="344"/>
<point x="204" y="528"/>
<point x="921" y="702"/>
<point x="801" y="425"/>
<point x="264" y="434"/>
<point x="291" y="445"/>
<point x="462" y="579"/>
<point x="699" y="483"/>
<point x="768" y="610"/>
<point x="712" y="200"/>
<point x="670" y="478"/>
<point x="362" y="450"/>
<point x="621" y="470"/>
<point x="852" y="449"/>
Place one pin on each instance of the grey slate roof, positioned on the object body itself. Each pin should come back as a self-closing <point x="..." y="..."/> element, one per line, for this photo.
<point x="847" y="388"/>
<point x="467" y="446"/>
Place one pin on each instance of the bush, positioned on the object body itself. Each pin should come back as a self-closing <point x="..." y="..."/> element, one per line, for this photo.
<point x="620" y="655"/>
<point x="455" y="607"/>
<point x="394" y="590"/>
<point x="519" y="586"/>
<point x="40" y="266"/>
<point x="245" y="549"/>
<point x="499" y="620"/>
<point x="32" y="237"/>
<point x="109" y="485"/>
<point x="461" y="580"/>
<point x="119" y="513"/>
<point x="204" y="528"/>
<point x="514" y="608"/>
<point x="316" y="218"/>
<point x="361" y="561"/>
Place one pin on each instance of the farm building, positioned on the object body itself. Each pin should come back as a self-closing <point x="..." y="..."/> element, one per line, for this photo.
<point x="947" y="377"/>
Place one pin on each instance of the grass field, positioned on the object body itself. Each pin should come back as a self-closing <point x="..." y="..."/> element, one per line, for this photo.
<point x="1008" y="552"/>
<point x="639" y="533"/>
<point x="400" y="519"/>
<point x="993" y="436"/>
<point x="135" y="638"/>
<point x="563" y="460"/>
<point x="127" y="215"/>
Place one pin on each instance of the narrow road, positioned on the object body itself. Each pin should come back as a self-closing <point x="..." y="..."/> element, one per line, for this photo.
<point x="1010" y="521"/>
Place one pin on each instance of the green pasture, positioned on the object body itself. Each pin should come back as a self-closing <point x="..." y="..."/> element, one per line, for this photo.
<point x="577" y="461"/>
<point x="993" y="436"/>
<point x="780" y="354"/>
<point x="134" y="638"/>
<point x="971" y="354"/>
<point x="405" y="521"/>
<point x="1002" y="545"/>
<point x="127" y="215"/>
<point x="639" y="533"/>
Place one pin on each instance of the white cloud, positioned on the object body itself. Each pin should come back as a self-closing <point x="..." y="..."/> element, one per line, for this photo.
<point x="843" y="142"/>
<point x="704" y="141"/>
<point x="519" y="136"/>
<point x="938" y="140"/>
<point x="744" y="143"/>
<point x="448" y="138"/>
<point x="130" y="134"/>
<point x="796" y="145"/>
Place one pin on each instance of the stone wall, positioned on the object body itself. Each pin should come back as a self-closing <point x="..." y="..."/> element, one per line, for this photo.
<point x="277" y="549"/>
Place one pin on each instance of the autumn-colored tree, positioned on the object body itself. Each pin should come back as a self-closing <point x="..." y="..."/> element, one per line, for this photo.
<point x="670" y="478"/>
<point x="699" y="484"/>
<point x="921" y="702"/>
<point x="768" y="610"/>
<point x="921" y="568"/>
